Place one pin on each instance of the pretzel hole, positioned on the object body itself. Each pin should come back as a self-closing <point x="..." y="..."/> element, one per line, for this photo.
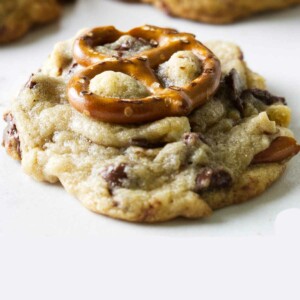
<point x="126" y="46"/>
<point x="117" y="85"/>
<point x="180" y="70"/>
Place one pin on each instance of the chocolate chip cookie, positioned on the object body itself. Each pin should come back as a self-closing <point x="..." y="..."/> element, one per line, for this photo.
<point x="219" y="11"/>
<point x="223" y="150"/>
<point x="18" y="16"/>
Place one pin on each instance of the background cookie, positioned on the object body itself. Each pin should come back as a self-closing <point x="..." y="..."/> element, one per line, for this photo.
<point x="18" y="16"/>
<point x="218" y="11"/>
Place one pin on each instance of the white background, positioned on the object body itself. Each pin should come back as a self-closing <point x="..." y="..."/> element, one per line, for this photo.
<point x="161" y="261"/>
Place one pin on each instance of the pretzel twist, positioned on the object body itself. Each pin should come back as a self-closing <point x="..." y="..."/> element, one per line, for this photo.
<point x="163" y="102"/>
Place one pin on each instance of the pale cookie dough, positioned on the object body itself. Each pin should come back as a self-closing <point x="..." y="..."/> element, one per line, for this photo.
<point x="219" y="11"/>
<point x="18" y="16"/>
<point x="176" y="166"/>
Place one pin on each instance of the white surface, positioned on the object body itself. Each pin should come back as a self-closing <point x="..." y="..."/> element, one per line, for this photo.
<point x="271" y="45"/>
<point x="149" y="268"/>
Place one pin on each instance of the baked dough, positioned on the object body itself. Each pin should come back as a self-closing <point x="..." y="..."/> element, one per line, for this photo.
<point x="176" y="166"/>
<point x="18" y="16"/>
<point x="219" y="11"/>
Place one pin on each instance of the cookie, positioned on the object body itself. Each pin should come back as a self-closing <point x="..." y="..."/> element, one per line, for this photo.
<point x="215" y="151"/>
<point x="219" y="11"/>
<point x="17" y="17"/>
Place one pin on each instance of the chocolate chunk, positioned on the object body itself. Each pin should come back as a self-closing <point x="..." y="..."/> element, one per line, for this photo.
<point x="11" y="139"/>
<point x="208" y="179"/>
<point x="114" y="175"/>
<point x="144" y="143"/>
<point x="72" y="68"/>
<point x="32" y="84"/>
<point x="129" y="44"/>
<point x="220" y="179"/>
<point x="234" y="89"/>
<point x="263" y="96"/>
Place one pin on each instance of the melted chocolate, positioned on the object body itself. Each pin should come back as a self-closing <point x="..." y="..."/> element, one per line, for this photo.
<point x="208" y="179"/>
<point x="114" y="175"/>
<point x="144" y="143"/>
<point x="263" y="96"/>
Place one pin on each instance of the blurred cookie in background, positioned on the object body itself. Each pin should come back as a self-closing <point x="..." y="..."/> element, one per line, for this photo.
<point x="17" y="17"/>
<point x="217" y="11"/>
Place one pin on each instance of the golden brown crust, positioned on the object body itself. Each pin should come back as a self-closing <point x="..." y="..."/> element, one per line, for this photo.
<point x="18" y="16"/>
<point x="254" y="181"/>
<point x="137" y="182"/>
<point x="219" y="12"/>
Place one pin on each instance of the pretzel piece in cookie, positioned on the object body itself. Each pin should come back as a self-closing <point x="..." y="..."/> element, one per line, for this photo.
<point x="280" y="149"/>
<point x="163" y="101"/>
<point x="85" y="46"/>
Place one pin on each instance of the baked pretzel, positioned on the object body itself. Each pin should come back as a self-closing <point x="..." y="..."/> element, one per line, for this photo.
<point x="280" y="149"/>
<point x="163" y="102"/>
<point x="84" y="46"/>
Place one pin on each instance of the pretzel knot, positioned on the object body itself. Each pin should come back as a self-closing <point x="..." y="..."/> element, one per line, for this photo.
<point x="142" y="66"/>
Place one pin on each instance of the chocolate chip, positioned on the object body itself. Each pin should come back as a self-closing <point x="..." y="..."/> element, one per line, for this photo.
<point x="32" y="84"/>
<point x="193" y="138"/>
<point x="208" y="179"/>
<point x="234" y="89"/>
<point x="263" y="96"/>
<point x="220" y="179"/>
<point x="144" y="143"/>
<point x="11" y="139"/>
<point x="114" y="175"/>
<point x="73" y="66"/>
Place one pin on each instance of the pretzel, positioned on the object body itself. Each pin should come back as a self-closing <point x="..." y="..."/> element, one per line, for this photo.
<point x="280" y="149"/>
<point x="163" y="102"/>
<point x="85" y="54"/>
